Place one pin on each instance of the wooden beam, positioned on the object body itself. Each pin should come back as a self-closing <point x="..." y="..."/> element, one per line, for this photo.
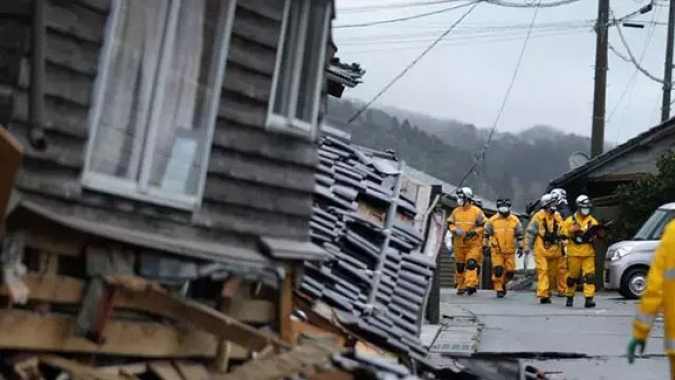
<point x="26" y="331"/>
<point x="191" y="371"/>
<point x="230" y="288"/>
<point x="286" y="305"/>
<point x="140" y="295"/>
<point x="69" y="290"/>
<point x="164" y="370"/>
<point x="10" y="156"/>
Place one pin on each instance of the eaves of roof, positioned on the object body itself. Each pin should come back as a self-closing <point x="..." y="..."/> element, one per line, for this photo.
<point x="642" y="139"/>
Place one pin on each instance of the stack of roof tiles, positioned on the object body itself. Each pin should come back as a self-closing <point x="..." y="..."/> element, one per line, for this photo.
<point x="389" y="310"/>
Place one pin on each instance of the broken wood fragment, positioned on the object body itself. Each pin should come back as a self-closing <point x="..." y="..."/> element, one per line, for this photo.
<point x="137" y="294"/>
<point x="302" y="358"/>
<point x="25" y="331"/>
<point x="191" y="371"/>
<point x="164" y="370"/>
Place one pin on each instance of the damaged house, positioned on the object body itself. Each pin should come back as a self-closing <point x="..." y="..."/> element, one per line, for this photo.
<point x="171" y="140"/>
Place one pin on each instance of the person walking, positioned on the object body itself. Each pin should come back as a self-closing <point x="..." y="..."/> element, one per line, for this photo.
<point x="659" y="295"/>
<point x="560" y="198"/>
<point x="580" y="235"/>
<point x="466" y="223"/>
<point x="543" y="237"/>
<point x="503" y="238"/>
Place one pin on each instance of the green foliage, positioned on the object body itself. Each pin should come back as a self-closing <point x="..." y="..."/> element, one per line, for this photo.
<point x="638" y="200"/>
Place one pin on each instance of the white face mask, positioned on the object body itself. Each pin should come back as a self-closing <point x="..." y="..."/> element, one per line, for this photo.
<point x="504" y="210"/>
<point x="585" y="211"/>
<point x="460" y="202"/>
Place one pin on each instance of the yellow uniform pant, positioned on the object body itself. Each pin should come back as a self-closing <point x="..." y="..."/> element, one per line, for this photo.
<point x="547" y="270"/>
<point x="561" y="277"/>
<point x="672" y="367"/>
<point x="467" y="260"/>
<point x="583" y="266"/>
<point x="503" y="268"/>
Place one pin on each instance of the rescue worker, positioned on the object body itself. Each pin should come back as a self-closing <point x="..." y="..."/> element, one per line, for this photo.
<point x="503" y="238"/>
<point x="560" y="198"/>
<point x="543" y="237"/>
<point x="466" y="223"/>
<point x="580" y="251"/>
<point x="659" y="295"/>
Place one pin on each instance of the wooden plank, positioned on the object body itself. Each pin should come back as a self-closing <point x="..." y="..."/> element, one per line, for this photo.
<point x="191" y="371"/>
<point x="256" y="86"/>
<point x="164" y="370"/>
<point x="231" y="288"/>
<point x="267" y="198"/>
<point x="60" y="83"/>
<point x="252" y="27"/>
<point x="239" y="109"/>
<point x="61" y="150"/>
<point x="10" y="156"/>
<point x="26" y="331"/>
<point x="68" y="290"/>
<point x="81" y="57"/>
<point x="60" y="116"/>
<point x="271" y="9"/>
<point x="256" y="57"/>
<point x="286" y="305"/>
<point x="256" y="169"/>
<point x="71" y="18"/>
<point x="247" y="220"/>
<point x="137" y="294"/>
<point x="260" y="142"/>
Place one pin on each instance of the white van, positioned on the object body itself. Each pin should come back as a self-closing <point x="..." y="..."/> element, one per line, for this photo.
<point x="627" y="262"/>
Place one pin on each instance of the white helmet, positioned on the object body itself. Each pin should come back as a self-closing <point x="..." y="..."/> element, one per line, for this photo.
<point x="465" y="192"/>
<point x="583" y="201"/>
<point x="546" y="200"/>
<point x="559" y="194"/>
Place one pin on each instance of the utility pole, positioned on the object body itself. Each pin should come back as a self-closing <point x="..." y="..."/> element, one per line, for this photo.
<point x="599" y="100"/>
<point x="668" y="73"/>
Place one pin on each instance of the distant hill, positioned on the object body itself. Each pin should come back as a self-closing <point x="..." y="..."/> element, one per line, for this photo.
<point x="518" y="165"/>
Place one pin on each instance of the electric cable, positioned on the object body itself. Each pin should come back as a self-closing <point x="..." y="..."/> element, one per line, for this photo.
<point x="481" y="158"/>
<point x="407" y="18"/>
<point x="412" y="64"/>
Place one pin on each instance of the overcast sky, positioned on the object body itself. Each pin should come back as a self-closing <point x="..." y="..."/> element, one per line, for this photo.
<point x="466" y="76"/>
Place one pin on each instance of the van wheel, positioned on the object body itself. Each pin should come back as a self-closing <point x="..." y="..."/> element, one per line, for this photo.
<point x="633" y="283"/>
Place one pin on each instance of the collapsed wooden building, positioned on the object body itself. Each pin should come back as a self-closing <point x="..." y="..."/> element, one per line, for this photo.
<point x="173" y="141"/>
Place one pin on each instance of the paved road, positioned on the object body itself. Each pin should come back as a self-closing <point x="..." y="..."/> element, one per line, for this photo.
<point x="583" y="344"/>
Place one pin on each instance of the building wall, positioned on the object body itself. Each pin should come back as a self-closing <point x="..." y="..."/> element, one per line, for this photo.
<point x="259" y="182"/>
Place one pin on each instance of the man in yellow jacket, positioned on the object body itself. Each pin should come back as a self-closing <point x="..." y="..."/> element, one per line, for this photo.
<point x="466" y="223"/>
<point x="503" y="237"/>
<point x="578" y="232"/>
<point x="659" y="295"/>
<point x="543" y="237"/>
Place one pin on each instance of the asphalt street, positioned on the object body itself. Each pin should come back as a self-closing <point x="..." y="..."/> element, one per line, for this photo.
<point x="568" y="343"/>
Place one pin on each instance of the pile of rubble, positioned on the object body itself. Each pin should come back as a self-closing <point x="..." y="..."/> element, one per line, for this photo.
<point x="376" y="278"/>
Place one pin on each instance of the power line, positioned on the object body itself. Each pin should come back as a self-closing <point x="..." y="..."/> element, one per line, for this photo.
<point x="506" y="98"/>
<point x="539" y="4"/>
<point x="368" y="8"/>
<point x="631" y="58"/>
<point x="407" y="18"/>
<point x="413" y="63"/>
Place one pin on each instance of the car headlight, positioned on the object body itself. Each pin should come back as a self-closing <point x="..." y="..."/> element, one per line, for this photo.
<point x="618" y="253"/>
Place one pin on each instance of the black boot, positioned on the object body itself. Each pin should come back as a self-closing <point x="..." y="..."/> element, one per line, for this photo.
<point x="501" y="294"/>
<point x="544" y="300"/>
<point x="589" y="303"/>
<point x="460" y="292"/>
<point x="471" y="291"/>
<point x="570" y="302"/>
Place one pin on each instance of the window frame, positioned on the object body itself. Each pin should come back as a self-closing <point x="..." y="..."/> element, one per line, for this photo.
<point x="141" y="189"/>
<point x="290" y="123"/>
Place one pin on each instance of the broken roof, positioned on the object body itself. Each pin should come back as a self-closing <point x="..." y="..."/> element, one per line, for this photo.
<point x="346" y="74"/>
<point x="644" y="139"/>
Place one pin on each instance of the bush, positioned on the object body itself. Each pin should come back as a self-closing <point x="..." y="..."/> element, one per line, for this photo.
<point x="638" y="200"/>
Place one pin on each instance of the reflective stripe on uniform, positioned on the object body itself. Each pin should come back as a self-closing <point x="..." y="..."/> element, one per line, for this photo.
<point x="669" y="274"/>
<point x="669" y="344"/>
<point x="645" y="318"/>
